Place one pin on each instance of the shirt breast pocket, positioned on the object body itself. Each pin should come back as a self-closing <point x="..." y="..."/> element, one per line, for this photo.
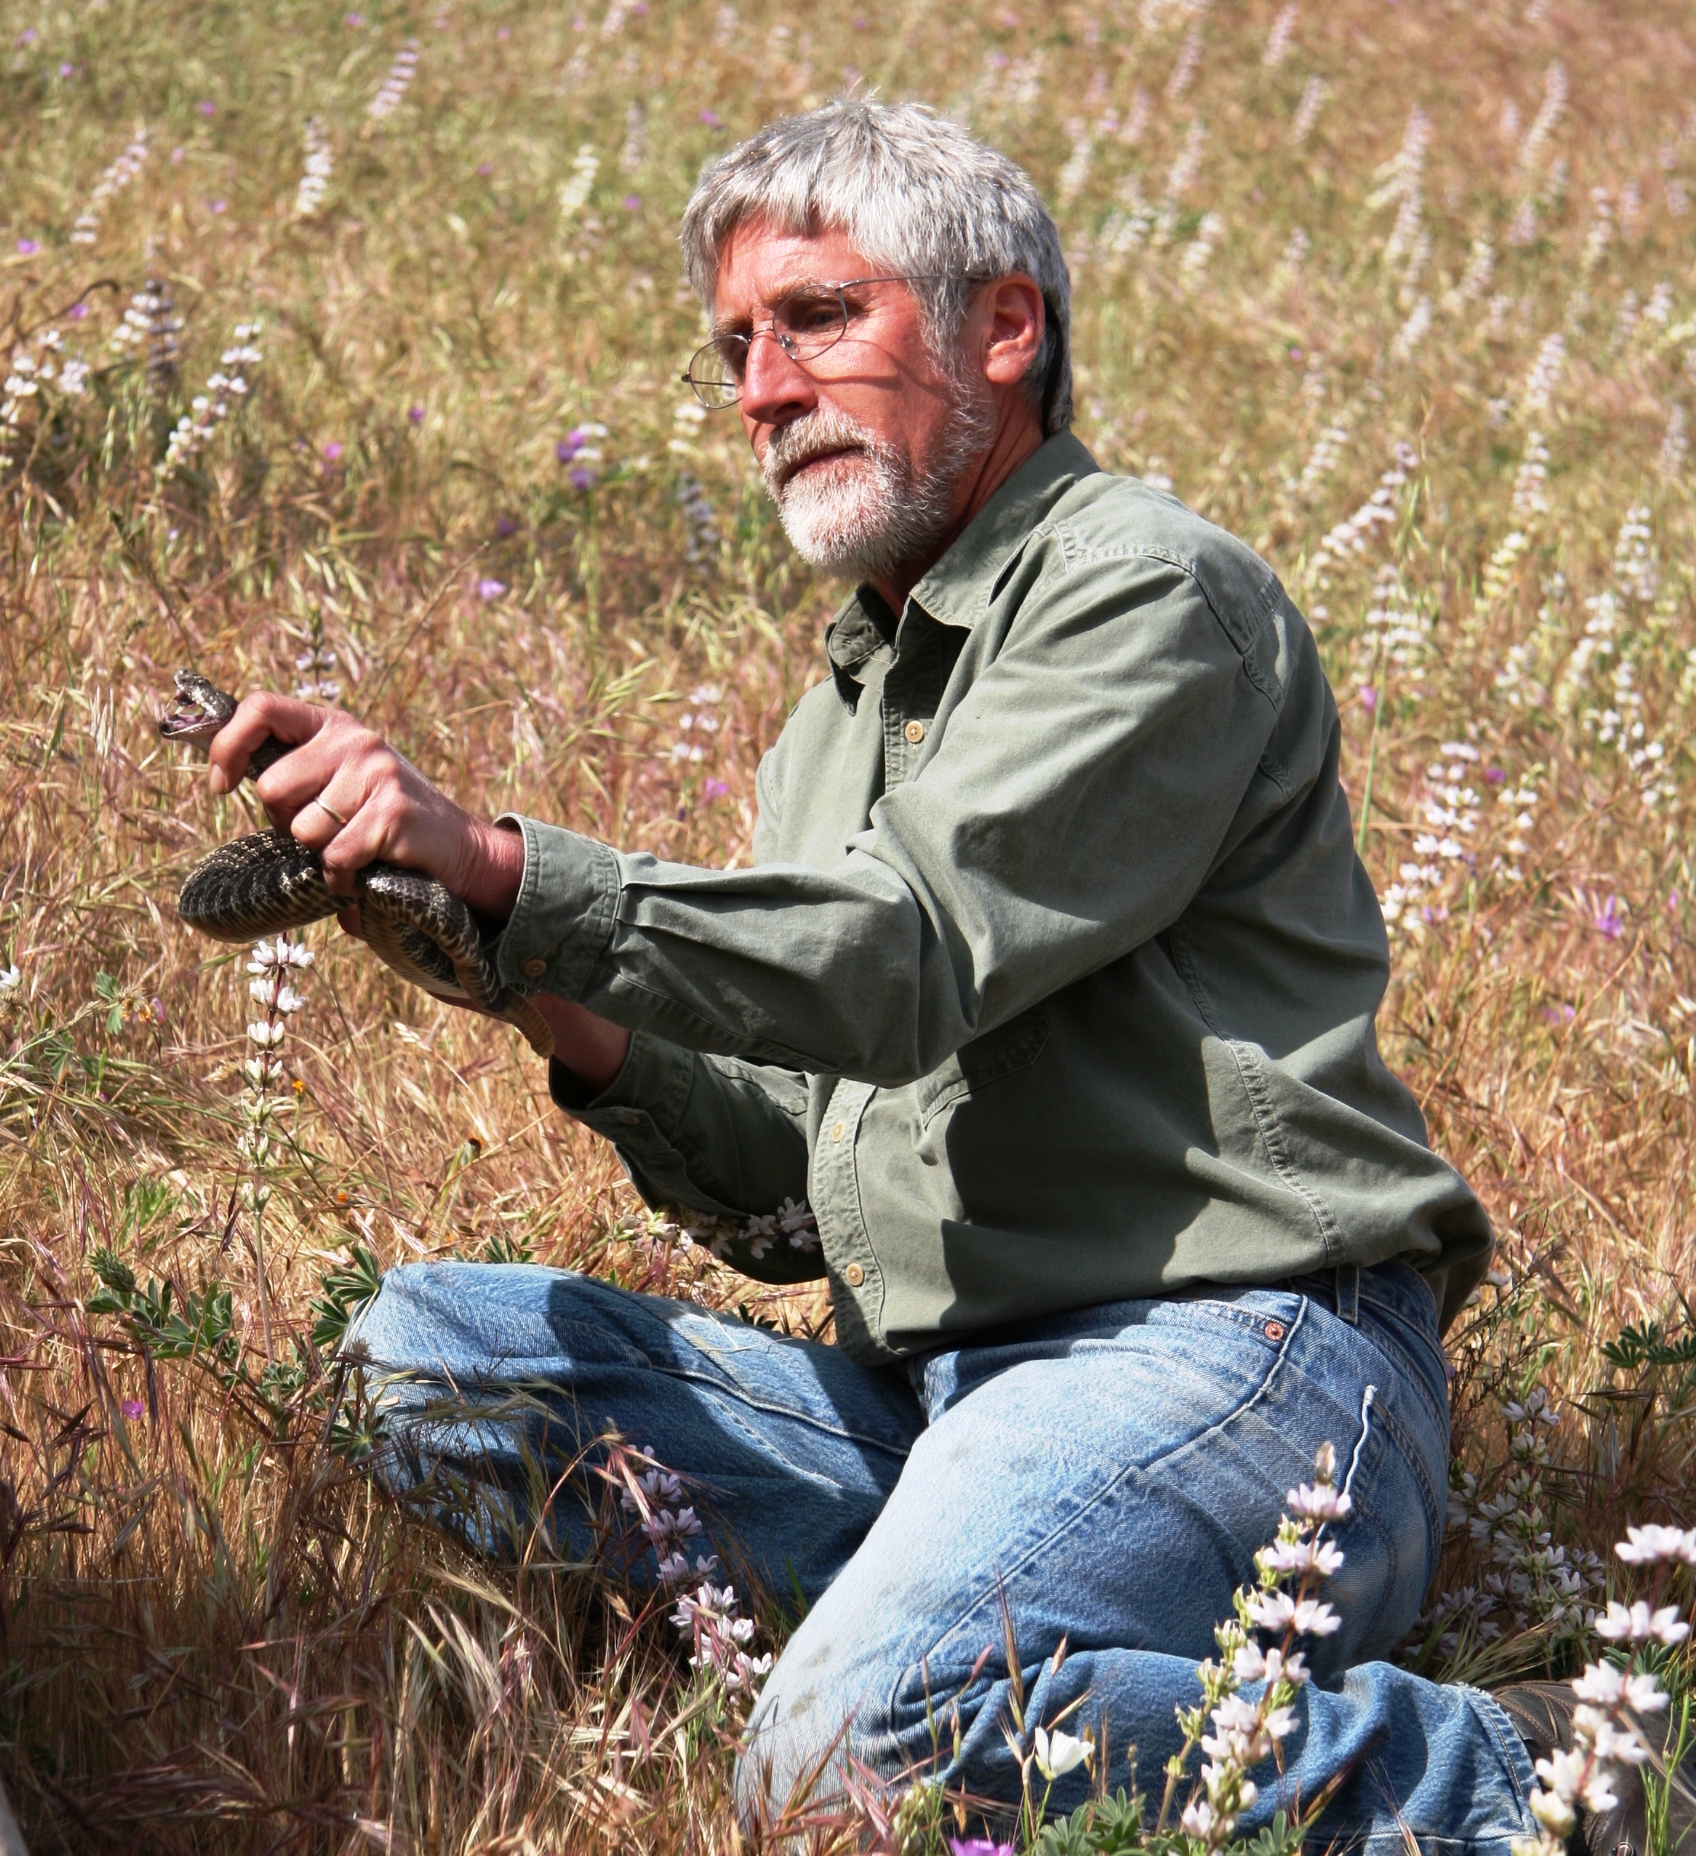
<point x="1008" y="1048"/>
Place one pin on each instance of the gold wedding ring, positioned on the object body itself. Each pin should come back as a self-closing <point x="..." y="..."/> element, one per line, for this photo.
<point x="324" y="806"/>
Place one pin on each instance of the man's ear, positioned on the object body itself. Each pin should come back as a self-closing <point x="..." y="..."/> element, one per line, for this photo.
<point x="1013" y="318"/>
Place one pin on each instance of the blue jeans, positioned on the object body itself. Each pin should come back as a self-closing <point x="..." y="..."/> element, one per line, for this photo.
<point x="1103" y="1477"/>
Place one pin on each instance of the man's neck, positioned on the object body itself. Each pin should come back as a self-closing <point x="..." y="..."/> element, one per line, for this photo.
<point x="1018" y="435"/>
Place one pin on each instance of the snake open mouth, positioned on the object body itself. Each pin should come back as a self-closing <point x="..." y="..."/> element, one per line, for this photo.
<point x="188" y="718"/>
<point x="194" y="714"/>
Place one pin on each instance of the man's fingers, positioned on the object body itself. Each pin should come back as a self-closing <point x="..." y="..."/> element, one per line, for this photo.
<point x="341" y="752"/>
<point x="350" y="847"/>
<point x="261" y="714"/>
<point x="348" y="920"/>
<point x="320" y="819"/>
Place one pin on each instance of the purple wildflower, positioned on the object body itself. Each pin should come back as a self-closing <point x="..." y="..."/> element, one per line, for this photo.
<point x="485" y="168"/>
<point x="490" y="589"/>
<point x="354" y="20"/>
<point x="67" y="70"/>
<point x="712" y="119"/>
<point x="219" y="206"/>
<point x="332" y="451"/>
<point x="568" y="448"/>
<point x="77" y="311"/>
<point x="506" y="526"/>
<point x="978" y="1846"/>
<point x="582" y="478"/>
<point x="632" y="201"/>
<point x="1609" y="922"/>
<point x="1495" y="775"/>
<point x="1369" y="699"/>
<point x="28" y="247"/>
<point x="27" y="36"/>
<point x="178" y="153"/>
<point x="716" y="789"/>
<point x="132" y="1408"/>
<point x="415" y="414"/>
<point x="208" y="107"/>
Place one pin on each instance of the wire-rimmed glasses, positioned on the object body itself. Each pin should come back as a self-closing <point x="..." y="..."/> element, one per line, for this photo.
<point x="806" y="323"/>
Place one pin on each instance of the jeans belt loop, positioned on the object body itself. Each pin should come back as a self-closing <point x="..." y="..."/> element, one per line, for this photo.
<point x="1348" y="1293"/>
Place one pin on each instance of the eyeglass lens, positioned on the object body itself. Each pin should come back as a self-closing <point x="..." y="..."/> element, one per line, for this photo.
<point x="804" y="325"/>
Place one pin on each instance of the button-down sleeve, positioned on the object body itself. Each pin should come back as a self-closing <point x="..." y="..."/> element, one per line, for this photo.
<point x="1062" y="815"/>
<point x="709" y="1135"/>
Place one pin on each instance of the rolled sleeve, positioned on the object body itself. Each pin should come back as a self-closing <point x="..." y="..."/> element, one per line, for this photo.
<point x="563" y="919"/>
<point x="711" y="1135"/>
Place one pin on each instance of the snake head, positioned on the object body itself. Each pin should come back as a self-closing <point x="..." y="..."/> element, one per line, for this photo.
<point x="200" y="709"/>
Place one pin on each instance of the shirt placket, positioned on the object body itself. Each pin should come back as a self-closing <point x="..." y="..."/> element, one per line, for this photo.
<point x="856" y="1276"/>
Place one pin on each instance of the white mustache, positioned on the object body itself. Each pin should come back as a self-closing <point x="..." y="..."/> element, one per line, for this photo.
<point x="819" y="434"/>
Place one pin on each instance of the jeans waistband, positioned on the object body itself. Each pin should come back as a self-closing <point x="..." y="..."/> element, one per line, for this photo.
<point x="1395" y="1290"/>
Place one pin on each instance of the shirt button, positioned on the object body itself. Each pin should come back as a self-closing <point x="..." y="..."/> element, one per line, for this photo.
<point x="853" y="1275"/>
<point x="915" y="732"/>
<point x="534" y="969"/>
<point x="839" y="1130"/>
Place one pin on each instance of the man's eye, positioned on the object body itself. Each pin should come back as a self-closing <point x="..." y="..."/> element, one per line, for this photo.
<point x="809" y="314"/>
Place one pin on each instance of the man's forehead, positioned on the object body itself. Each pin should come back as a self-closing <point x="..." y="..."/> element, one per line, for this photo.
<point x="759" y="263"/>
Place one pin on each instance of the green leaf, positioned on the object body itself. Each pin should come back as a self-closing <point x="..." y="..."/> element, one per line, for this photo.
<point x="346" y="1290"/>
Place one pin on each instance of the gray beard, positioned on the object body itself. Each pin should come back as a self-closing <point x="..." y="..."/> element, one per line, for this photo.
<point x="869" y="514"/>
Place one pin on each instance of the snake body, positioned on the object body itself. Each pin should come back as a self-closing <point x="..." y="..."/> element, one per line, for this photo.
<point x="267" y="882"/>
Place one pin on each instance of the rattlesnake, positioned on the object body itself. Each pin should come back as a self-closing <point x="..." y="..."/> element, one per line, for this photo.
<point x="267" y="882"/>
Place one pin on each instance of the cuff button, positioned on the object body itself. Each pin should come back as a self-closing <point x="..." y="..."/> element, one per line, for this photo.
<point x="853" y="1275"/>
<point x="534" y="969"/>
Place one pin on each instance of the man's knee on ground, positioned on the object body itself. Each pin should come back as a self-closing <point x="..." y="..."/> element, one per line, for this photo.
<point x="830" y="1725"/>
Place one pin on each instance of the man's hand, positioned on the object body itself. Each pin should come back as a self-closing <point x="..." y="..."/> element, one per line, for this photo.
<point x="337" y="765"/>
<point x="345" y="792"/>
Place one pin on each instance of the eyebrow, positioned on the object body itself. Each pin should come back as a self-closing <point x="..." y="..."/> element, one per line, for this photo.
<point x="736" y="323"/>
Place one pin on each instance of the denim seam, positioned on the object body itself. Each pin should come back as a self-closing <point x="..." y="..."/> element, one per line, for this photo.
<point x="1402" y="1355"/>
<point x="1410" y="1455"/>
<point x="542" y="1389"/>
<point x="1493" y="1716"/>
<point x="1037" y="1547"/>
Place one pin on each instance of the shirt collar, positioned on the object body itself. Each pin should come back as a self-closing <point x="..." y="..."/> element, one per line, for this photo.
<point x="957" y="589"/>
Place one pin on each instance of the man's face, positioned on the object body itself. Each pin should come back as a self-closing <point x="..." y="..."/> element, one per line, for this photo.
<point x="865" y="447"/>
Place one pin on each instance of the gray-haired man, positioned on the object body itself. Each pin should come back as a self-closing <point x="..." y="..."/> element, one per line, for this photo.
<point x="1052" y="988"/>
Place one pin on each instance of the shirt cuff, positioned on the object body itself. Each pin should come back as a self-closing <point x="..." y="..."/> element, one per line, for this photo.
<point x="563" y="919"/>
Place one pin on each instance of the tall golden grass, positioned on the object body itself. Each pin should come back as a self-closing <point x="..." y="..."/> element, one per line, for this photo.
<point x="216" y="1634"/>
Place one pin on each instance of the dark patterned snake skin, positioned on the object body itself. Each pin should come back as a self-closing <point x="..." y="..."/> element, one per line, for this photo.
<point x="265" y="883"/>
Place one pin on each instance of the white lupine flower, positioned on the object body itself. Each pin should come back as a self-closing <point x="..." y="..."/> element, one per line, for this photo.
<point x="1059" y="1753"/>
<point x="1642" y="1546"/>
<point x="1301" y="1556"/>
<point x="315" y="177"/>
<point x="1314" y="92"/>
<point x="1638" y="1624"/>
<point x="267" y="1036"/>
<point x="118" y="176"/>
<point x="1316" y="1619"/>
<point x="1318" y="1502"/>
<point x="10" y="979"/>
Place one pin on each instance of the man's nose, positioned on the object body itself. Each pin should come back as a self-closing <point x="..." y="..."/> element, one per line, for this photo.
<point x="775" y="387"/>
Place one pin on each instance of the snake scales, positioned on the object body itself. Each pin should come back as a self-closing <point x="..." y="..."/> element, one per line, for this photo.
<point x="262" y="884"/>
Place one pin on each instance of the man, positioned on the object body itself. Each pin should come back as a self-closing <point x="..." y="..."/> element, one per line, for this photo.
<point x="1052" y="988"/>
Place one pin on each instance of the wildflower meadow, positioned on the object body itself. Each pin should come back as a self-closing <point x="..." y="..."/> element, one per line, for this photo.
<point x="340" y="353"/>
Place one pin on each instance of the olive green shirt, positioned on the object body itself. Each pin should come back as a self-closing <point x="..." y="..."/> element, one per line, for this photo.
<point x="1054" y="978"/>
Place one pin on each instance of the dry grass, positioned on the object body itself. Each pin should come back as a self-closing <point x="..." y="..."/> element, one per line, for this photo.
<point x="215" y="1635"/>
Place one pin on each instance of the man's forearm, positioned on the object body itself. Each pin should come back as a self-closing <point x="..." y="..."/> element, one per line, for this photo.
<point x="593" y="1049"/>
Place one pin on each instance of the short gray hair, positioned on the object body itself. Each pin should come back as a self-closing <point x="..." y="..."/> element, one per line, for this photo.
<point x="917" y="194"/>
